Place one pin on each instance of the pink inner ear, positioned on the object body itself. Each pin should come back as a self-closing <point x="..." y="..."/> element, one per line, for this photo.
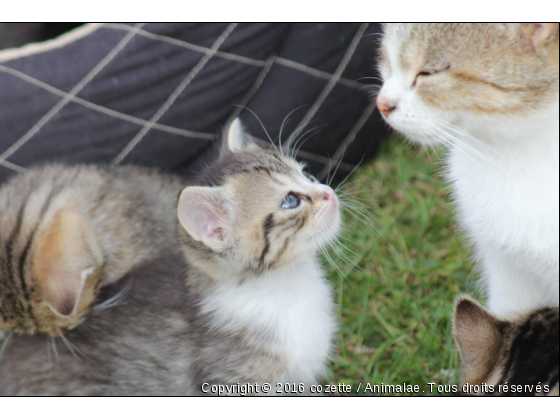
<point x="215" y="230"/>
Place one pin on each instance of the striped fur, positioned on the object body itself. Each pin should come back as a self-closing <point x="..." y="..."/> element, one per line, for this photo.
<point x="511" y="357"/>
<point x="67" y="231"/>
<point x="250" y="306"/>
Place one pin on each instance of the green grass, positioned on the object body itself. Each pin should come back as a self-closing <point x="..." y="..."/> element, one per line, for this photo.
<point x="396" y="303"/>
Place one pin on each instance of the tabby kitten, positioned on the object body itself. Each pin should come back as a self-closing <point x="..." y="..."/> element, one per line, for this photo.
<point x="249" y="307"/>
<point x="507" y="357"/>
<point x="489" y="92"/>
<point x="67" y="231"/>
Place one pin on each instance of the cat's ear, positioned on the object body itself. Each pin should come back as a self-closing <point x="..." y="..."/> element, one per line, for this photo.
<point x="207" y="214"/>
<point x="235" y="139"/>
<point x="479" y="335"/>
<point x="538" y="33"/>
<point x="67" y="254"/>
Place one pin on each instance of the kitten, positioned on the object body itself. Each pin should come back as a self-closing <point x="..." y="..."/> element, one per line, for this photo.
<point x="507" y="357"/>
<point x="67" y="231"/>
<point x="250" y="304"/>
<point x="489" y="92"/>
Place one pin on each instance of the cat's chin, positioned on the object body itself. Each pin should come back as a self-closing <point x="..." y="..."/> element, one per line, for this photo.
<point x="416" y="136"/>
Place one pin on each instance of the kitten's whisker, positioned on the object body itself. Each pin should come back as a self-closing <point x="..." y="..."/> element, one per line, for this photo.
<point x="260" y="122"/>
<point x="6" y="337"/>
<point x="55" y="350"/>
<point x="337" y="189"/>
<point x="72" y="348"/>
<point x="360" y="257"/>
<point x="115" y="300"/>
<point x="330" y="179"/>
<point x="351" y="172"/>
<point x="302" y="140"/>
<point x="285" y="121"/>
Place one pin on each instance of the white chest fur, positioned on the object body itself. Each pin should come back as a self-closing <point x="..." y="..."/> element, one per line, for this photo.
<point x="508" y="201"/>
<point x="293" y="306"/>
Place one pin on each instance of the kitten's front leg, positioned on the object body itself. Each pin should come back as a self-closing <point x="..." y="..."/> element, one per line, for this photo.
<point x="512" y="289"/>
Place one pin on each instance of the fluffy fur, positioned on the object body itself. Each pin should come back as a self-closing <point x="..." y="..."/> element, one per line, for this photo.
<point x="489" y="92"/>
<point x="67" y="231"/>
<point x="249" y="306"/>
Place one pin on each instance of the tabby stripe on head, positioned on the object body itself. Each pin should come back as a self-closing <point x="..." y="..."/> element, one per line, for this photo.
<point x="27" y="247"/>
<point x="267" y="227"/>
<point x="10" y="252"/>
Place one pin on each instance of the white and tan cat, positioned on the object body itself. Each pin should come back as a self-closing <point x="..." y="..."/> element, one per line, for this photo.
<point x="489" y="92"/>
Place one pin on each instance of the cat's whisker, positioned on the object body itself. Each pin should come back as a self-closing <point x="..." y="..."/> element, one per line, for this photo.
<point x="6" y="337"/>
<point x="351" y="172"/>
<point x="259" y="121"/>
<point x="72" y="348"/>
<point x="363" y="215"/>
<point x="295" y="135"/>
<point x="467" y="148"/>
<point x="370" y="77"/>
<point x="360" y="257"/>
<point x="356" y="206"/>
<point x="463" y="133"/>
<point x="284" y="122"/>
<point x="340" y="186"/>
<point x="54" y="348"/>
<point x="301" y="141"/>
<point x="330" y="179"/>
<point x="372" y="34"/>
<point x="115" y="300"/>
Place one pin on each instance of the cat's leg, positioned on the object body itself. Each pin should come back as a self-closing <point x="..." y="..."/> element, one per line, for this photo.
<point x="512" y="287"/>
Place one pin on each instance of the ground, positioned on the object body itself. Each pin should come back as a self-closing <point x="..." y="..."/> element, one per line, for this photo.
<point x="405" y="262"/>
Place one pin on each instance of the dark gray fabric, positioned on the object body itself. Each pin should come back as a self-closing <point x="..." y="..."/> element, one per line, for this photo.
<point x="161" y="92"/>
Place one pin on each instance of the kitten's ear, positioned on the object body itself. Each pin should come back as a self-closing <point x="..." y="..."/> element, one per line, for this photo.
<point x="479" y="335"/>
<point x="539" y="33"/>
<point x="67" y="253"/>
<point x="207" y="214"/>
<point x="235" y="139"/>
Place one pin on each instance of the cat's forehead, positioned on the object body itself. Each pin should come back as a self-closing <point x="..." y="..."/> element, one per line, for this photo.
<point x="412" y="44"/>
<point x="253" y="164"/>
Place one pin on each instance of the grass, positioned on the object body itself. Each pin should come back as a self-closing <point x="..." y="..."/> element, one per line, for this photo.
<point x="396" y="302"/>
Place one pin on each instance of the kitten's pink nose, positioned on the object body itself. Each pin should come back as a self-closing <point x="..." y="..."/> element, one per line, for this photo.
<point x="385" y="105"/>
<point x="326" y="192"/>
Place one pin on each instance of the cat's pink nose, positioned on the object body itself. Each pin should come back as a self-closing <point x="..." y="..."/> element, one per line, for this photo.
<point x="385" y="105"/>
<point x="326" y="192"/>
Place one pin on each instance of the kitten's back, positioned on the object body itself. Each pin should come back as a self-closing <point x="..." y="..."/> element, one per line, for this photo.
<point x="136" y="348"/>
<point x="65" y="231"/>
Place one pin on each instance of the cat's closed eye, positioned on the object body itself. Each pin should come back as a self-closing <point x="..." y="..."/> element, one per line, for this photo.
<point x="431" y="72"/>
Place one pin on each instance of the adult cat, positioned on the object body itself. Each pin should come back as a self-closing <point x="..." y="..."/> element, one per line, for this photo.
<point x="489" y="92"/>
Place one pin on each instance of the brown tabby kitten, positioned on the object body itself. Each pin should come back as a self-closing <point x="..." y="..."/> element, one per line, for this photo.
<point x="507" y="357"/>
<point x="250" y="306"/>
<point x="67" y="231"/>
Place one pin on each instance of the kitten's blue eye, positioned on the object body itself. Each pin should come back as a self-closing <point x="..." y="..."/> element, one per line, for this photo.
<point x="291" y="202"/>
<point x="310" y="177"/>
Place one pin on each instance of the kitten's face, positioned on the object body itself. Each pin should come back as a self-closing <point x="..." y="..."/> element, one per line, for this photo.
<point x="265" y="211"/>
<point x="473" y="76"/>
